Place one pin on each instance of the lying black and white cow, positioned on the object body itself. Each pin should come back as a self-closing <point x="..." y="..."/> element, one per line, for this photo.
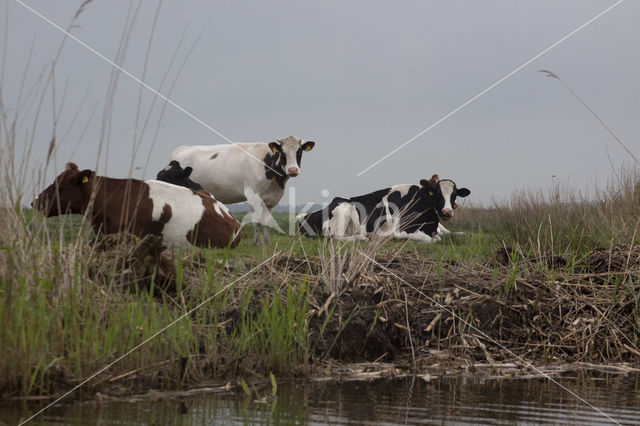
<point x="176" y="175"/>
<point x="253" y="172"/>
<point x="404" y="211"/>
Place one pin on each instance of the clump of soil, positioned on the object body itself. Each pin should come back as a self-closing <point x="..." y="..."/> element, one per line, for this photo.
<point x="615" y="259"/>
<point x="407" y="308"/>
<point x="506" y="256"/>
<point x="135" y="260"/>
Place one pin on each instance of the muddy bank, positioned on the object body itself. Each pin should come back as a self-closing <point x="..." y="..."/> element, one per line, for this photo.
<point x="379" y="314"/>
<point x="413" y="311"/>
<point x="409" y="309"/>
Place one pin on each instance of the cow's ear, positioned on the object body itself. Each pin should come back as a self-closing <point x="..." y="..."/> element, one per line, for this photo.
<point x="187" y="171"/>
<point x="308" y="145"/>
<point x="462" y="192"/>
<point x="274" y="147"/>
<point x="85" y="176"/>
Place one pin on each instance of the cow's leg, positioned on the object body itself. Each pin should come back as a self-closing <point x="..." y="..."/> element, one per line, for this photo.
<point x="260" y="217"/>
<point x="261" y="229"/>
<point x="344" y="225"/>
<point x="355" y="229"/>
<point x="257" y="231"/>
<point x="342" y="231"/>
<point x="442" y="230"/>
<point x="266" y="232"/>
<point x="336" y="226"/>
<point x="418" y="236"/>
<point x="261" y="234"/>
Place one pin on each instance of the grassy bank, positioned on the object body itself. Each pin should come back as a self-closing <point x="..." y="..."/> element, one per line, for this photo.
<point x="549" y="278"/>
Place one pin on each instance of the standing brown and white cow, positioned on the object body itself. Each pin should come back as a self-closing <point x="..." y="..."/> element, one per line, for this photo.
<point x="253" y="172"/>
<point x="181" y="216"/>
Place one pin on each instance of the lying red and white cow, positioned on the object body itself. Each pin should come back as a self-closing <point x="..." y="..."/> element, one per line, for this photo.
<point x="253" y="172"/>
<point x="181" y="216"/>
<point x="406" y="211"/>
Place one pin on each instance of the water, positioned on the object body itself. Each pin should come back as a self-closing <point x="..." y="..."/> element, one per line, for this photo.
<point x="399" y="401"/>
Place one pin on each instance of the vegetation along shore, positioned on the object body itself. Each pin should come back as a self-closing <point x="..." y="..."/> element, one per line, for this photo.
<point x="542" y="281"/>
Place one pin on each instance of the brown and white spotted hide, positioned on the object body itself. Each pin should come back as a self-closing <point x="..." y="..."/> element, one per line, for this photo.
<point x="179" y="215"/>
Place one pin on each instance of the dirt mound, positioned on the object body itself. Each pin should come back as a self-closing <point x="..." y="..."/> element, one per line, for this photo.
<point x="136" y="261"/>
<point x="508" y="255"/>
<point x="615" y="259"/>
<point x="409" y="307"/>
<point x="363" y="326"/>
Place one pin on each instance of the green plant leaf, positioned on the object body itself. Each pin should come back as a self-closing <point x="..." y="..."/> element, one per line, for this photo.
<point x="274" y="384"/>
<point x="245" y="388"/>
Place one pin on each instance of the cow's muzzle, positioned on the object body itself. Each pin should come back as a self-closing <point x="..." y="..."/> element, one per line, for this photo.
<point x="293" y="171"/>
<point x="447" y="214"/>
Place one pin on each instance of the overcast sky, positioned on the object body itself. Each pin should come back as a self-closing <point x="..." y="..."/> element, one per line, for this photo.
<point x="358" y="77"/>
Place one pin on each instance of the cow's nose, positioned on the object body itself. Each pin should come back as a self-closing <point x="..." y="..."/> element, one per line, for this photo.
<point x="293" y="171"/>
<point x="448" y="213"/>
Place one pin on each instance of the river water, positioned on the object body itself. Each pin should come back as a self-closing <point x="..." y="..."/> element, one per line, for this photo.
<point x="398" y="401"/>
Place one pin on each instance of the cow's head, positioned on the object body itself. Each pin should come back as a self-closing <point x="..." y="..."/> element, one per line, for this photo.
<point x="446" y="192"/>
<point x="289" y="151"/>
<point x="69" y="192"/>
<point x="176" y="175"/>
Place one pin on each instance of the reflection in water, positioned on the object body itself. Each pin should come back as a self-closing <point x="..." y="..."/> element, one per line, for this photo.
<point x="406" y="401"/>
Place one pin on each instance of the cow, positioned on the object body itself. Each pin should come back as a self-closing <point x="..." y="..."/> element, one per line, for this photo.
<point x="253" y="172"/>
<point x="176" y="175"/>
<point x="404" y="211"/>
<point x="180" y="216"/>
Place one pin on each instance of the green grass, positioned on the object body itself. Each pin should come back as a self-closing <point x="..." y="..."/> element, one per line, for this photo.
<point x="277" y="330"/>
<point x="476" y="246"/>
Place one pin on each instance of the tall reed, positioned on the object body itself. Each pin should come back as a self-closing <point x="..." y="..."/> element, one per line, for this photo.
<point x="562" y="221"/>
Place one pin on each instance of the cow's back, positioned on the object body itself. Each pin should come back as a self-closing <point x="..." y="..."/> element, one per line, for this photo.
<point x="225" y="170"/>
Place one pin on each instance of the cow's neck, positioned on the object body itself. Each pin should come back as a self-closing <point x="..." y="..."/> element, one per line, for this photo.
<point x="274" y="168"/>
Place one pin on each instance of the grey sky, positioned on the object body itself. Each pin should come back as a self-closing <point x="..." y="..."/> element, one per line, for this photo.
<point x="357" y="77"/>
